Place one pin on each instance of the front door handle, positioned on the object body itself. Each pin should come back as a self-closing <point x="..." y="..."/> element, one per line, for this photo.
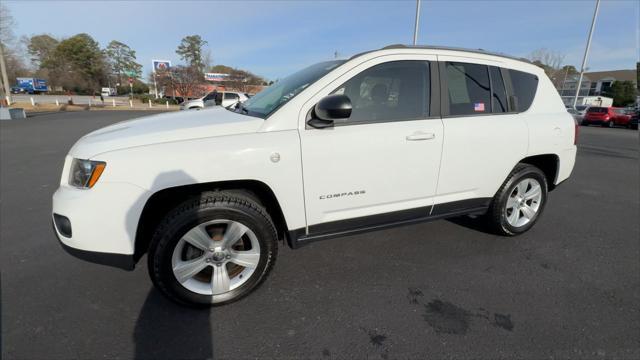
<point x="419" y="135"/>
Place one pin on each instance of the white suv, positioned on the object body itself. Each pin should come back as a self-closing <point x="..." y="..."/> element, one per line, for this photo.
<point x="223" y="98"/>
<point x="389" y="137"/>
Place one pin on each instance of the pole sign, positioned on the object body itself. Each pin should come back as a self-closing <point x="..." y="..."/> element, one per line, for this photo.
<point x="130" y="80"/>
<point x="161" y="65"/>
<point x="216" y="76"/>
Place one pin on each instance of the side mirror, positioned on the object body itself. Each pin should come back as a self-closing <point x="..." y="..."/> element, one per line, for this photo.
<point x="330" y="108"/>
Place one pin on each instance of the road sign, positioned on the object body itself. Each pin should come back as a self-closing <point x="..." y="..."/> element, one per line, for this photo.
<point x="130" y="73"/>
<point x="161" y="65"/>
<point x="130" y="80"/>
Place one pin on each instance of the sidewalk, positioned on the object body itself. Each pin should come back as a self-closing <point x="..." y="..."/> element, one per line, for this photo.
<point x="136" y="105"/>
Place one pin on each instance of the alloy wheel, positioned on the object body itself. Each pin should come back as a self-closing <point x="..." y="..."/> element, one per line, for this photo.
<point x="215" y="257"/>
<point x="524" y="202"/>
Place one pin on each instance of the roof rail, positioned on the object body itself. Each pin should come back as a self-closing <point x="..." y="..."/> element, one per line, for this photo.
<point x="435" y="47"/>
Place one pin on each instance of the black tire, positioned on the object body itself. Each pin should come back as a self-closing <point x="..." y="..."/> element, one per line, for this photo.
<point x="610" y="124"/>
<point x="496" y="216"/>
<point x="231" y="205"/>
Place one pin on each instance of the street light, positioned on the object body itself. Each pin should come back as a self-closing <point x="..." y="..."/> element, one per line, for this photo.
<point x="586" y="52"/>
<point x="415" y="27"/>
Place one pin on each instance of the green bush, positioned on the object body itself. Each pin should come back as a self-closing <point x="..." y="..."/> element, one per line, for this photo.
<point x="163" y="101"/>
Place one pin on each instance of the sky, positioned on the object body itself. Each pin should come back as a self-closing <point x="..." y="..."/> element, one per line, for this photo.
<point x="276" y="38"/>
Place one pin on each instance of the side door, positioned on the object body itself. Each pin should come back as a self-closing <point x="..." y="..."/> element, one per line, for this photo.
<point x="230" y="99"/>
<point x="381" y="164"/>
<point x="484" y="135"/>
<point x="209" y="100"/>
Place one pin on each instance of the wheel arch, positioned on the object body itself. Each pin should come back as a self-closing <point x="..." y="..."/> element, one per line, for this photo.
<point x="548" y="163"/>
<point x="162" y="201"/>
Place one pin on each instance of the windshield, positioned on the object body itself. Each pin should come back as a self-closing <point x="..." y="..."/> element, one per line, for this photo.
<point x="270" y="99"/>
<point x="597" y="110"/>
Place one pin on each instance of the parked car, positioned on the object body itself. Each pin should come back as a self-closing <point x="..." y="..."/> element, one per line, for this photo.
<point x="223" y="98"/>
<point x="338" y="148"/>
<point x="581" y="109"/>
<point x="633" y="122"/>
<point x="601" y="116"/>
<point x="575" y="114"/>
<point x="621" y="117"/>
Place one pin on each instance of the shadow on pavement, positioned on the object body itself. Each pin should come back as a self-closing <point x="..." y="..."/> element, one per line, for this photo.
<point x="165" y="330"/>
<point x="473" y="223"/>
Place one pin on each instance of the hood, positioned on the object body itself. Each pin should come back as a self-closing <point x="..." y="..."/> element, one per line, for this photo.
<point x="174" y="126"/>
<point x="193" y="102"/>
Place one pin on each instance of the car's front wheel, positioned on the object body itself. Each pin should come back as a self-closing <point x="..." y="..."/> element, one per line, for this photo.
<point x="213" y="249"/>
<point x="519" y="202"/>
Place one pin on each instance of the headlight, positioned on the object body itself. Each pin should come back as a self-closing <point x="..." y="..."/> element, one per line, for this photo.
<point x="85" y="173"/>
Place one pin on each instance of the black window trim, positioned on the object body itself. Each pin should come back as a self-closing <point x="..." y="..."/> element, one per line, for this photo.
<point x="434" y="93"/>
<point x="504" y="85"/>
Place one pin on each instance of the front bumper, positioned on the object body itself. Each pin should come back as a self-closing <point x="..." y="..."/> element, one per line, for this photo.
<point x="102" y="222"/>
<point x="120" y="261"/>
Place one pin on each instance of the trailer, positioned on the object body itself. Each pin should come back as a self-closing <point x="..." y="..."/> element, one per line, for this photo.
<point x="601" y="101"/>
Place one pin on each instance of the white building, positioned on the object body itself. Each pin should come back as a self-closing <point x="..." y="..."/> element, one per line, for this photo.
<point x="594" y="83"/>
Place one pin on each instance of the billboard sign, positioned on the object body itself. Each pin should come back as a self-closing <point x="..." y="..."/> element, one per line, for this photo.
<point x="161" y="65"/>
<point x="216" y="77"/>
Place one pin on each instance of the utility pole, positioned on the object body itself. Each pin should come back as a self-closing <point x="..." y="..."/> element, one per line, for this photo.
<point x="415" y="28"/>
<point x="5" y="78"/>
<point x="586" y="52"/>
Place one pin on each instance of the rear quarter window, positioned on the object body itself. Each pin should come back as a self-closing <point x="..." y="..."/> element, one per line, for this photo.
<point x="524" y="87"/>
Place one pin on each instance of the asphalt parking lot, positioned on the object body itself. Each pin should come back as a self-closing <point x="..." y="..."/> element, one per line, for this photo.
<point x="569" y="288"/>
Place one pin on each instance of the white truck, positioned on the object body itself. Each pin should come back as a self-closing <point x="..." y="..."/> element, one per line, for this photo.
<point x="105" y="92"/>
<point x="389" y="137"/>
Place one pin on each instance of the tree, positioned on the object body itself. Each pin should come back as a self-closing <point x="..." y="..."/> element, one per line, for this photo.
<point x="122" y="59"/>
<point x="138" y="87"/>
<point x="190" y="50"/>
<point x="623" y="93"/>
<point x="550" y="61"/>
<point x="7" y="24"/>
<point x="77" y="64"/>
<point x="41" y="47"/>
<point x="183" y="81"/>
<point x="12" y="50"/>
<point x="240" y="80"/>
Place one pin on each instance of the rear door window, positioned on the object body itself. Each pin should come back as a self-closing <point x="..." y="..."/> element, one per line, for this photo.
<point x="524" y="87"/>
<point x="469" y="89"/>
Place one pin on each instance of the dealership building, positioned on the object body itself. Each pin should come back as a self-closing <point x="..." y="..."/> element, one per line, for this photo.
<point x="593" y="83"/>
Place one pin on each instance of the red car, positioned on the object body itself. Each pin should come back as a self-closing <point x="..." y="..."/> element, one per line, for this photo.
<point x="606" y="116"/>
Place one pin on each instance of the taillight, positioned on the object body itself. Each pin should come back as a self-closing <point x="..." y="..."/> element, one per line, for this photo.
<point x="575" y="134"/>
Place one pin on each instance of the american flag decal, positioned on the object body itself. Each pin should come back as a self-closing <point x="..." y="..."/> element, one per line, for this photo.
<point x="478" y="107"/>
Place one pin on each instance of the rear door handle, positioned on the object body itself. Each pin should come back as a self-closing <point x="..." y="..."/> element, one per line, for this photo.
<point x="420" y="135"/>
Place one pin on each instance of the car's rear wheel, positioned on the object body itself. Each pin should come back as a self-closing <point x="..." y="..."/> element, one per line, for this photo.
<point x="610" y="124"/>
<point x="519" y="202"/>
<point x="213" y="249"/>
